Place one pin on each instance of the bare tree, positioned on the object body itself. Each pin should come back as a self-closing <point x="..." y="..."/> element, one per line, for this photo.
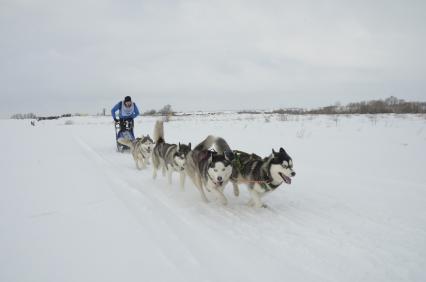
<point x="149" y="113"/>
<point x="166" y="110"/>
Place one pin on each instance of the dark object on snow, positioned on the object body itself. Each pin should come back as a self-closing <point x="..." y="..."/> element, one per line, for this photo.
<point x="32" y="123"/>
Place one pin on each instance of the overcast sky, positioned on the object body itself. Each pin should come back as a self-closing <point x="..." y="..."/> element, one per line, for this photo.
<point x="82" y="56"/>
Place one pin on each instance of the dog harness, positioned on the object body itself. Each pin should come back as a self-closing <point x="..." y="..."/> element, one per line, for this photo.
<point x="265" y="183"/>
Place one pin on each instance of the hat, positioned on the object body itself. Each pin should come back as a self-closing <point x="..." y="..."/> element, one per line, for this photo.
<point x="127" y="99"/>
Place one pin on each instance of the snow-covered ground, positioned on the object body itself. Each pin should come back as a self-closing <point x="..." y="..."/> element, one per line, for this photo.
<point x="73" y="209"/>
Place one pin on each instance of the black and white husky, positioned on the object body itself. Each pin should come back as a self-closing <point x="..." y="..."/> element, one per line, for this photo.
<point x="261" y="175"/>
<point x="141" y="149"/>
<point x="168" y="157"/>
<point x="209" y="166"/>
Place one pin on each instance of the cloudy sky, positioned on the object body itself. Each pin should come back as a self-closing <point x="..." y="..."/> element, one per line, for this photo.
<point x="82" y="56"/>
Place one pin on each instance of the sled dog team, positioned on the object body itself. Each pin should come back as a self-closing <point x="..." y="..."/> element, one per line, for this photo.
<point x="212" y="164"/>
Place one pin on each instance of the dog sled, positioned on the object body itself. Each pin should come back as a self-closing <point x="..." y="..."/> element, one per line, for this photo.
<point x="124" y="130"/>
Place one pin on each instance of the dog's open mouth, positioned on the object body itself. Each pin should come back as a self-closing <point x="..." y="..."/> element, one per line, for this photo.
<point x="285" y="178"/>
<point x="218" y="183"/>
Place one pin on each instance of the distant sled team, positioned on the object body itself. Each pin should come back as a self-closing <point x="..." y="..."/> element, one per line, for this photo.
<point x="212" y="164"/>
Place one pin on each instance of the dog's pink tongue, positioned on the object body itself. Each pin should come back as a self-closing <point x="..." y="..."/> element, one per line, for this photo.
<point x="287" y="179"/>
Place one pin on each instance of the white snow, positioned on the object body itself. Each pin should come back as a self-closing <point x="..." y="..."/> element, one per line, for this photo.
<point x="73" y="209"/>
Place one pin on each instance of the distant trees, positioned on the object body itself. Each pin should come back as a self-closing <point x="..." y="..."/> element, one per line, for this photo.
<point x="164" y="111"/>
<point x="48" y="118"/>
<point x="24" y="116"/>
<point x="33" y="116"/>
<point x="389" y="105"/>
<point x="149" y="113"/>
<point x="291" y="111"/>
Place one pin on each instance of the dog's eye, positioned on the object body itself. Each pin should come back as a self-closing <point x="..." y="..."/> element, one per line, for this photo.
<point x="215" y="170"/>
<point x="223" y="169"/>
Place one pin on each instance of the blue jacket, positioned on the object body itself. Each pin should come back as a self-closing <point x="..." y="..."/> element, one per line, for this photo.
<point x="119" y="106"/>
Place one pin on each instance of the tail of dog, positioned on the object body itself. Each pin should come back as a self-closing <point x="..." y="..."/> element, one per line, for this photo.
<point x="159" y="132"/>
<point x="126" y="142"/>
<point x="217" y="144"/>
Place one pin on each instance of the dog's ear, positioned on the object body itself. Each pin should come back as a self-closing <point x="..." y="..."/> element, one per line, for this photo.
<point x="273" y="152"/>
<point x="213" y="155"/>
<point x="178" y="146"/>
<point x="282" y="151"/>
<point x="203" y="155"/>
<point x="206" y="155"/>
<point x="229" y="155"/>
<point x="189" y="145"/>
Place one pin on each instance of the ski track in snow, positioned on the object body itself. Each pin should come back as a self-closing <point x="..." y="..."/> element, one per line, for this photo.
<point x="331" y="224"/>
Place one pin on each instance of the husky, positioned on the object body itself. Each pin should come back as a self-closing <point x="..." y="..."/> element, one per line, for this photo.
<point x="262" y="175"/>
<point x="141" y="149"/>
<point x="170" y="157"/>
<point x="209" y="166"/>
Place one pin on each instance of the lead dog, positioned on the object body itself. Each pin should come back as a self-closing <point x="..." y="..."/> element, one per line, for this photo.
<point x="169" y="157"/>
<point x="262" y="176"/>
<point x="209" y="166"/>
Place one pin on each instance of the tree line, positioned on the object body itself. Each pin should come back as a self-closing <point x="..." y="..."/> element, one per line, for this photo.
<point x="34" y="116"/>
<point x="382" y="106"/>
<point x="164" y="111"/>
<point x="386" y="106"/>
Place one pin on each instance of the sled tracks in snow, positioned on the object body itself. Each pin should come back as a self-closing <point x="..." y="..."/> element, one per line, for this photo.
<point x="187" y="245"/>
